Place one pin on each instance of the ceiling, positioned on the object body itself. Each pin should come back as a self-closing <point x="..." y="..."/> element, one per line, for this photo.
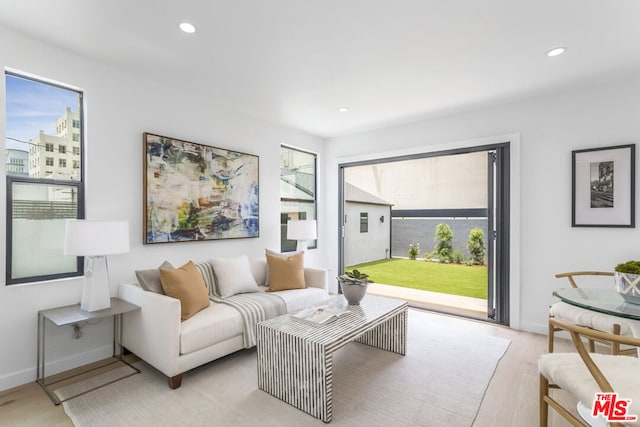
<point x="295" y="62"/>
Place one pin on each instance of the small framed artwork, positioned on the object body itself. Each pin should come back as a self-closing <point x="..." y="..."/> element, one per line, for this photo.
<point x="603" y="187"/>
<point x="195" y="192"/>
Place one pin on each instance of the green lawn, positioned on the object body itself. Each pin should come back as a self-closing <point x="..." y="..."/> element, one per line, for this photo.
<point x="452" y="279"/>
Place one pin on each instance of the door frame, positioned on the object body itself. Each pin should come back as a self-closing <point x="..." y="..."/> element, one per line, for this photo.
<point x="502" y="201"/>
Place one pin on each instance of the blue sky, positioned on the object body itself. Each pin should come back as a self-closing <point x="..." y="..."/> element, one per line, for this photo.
<point x="33" y="106"/>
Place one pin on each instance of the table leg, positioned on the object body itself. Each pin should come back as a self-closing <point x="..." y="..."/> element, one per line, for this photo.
<point x="40" y="356"/>
<point x="390" y="335"/>
<point x="296" y="371"/>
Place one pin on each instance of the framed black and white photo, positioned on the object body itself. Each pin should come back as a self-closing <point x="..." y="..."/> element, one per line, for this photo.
<point x="603" y="187"/>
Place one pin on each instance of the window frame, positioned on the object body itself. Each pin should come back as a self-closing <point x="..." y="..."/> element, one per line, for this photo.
<point x="364" y="225"/>
<point x="79" y="185"/>
<point x="283" y="224"/>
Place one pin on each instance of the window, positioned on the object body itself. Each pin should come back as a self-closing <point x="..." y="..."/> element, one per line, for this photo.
<point x="76" y="164"/>
<point x="76" y="150"/>
<point x="364" y="222"/>
<point x="41" y="200"/>
<point x="76" y="138"/>
<point x="76" y="124"/>
<point x="297" y="191"/>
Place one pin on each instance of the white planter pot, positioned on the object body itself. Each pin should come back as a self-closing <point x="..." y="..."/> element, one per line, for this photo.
<point x="628" y="285"/>
<point x="353" y="293"/>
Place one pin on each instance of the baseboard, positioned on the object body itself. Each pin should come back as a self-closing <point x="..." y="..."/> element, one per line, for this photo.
<point x="25" y="376"/>
<point x="536" y="328"/>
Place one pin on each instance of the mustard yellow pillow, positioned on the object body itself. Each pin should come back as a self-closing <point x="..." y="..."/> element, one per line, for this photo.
<point x="286" y="272"/>
<point x="187" y="285"/>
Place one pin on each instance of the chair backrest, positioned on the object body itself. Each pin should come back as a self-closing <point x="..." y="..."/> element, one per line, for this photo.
<point x="577" y="331"/>
<point x="573" y="274"/>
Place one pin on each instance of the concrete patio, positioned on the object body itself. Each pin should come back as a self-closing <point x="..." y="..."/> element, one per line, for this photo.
<point x="467" y="306"/>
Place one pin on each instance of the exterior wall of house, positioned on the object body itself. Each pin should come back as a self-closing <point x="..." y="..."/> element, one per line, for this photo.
<point x="427" y="183"/>
<point x="372" y="245"/>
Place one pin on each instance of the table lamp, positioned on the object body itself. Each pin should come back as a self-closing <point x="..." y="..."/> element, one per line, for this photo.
<point x="94" y="240"/>
<point x="302" y="231"/>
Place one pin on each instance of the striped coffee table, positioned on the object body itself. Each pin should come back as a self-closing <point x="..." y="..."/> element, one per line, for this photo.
<point x="295" y="360"/>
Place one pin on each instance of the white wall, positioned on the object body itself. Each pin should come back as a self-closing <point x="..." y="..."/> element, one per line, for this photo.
<point x="373" y="245"/>
<point x="119" y="108"/>
<point x="548" y="128"/>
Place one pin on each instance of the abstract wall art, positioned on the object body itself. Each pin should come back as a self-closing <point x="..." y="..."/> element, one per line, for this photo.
<point x="195" y="192"/>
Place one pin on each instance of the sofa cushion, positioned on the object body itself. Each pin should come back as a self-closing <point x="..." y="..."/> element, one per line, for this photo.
<point x="259" y="270"/>
<point x="187" y="285"/>
<point x="210" y="326"/>
<point x="286" y="272"/>
<point x="149" y="280"/>
<point x="233" y="276"/>
<point x="297" y="299"/>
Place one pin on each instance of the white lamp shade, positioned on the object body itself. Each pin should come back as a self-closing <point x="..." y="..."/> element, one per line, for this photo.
<point x="96" y="238"/>
<point x="301" y="229"/>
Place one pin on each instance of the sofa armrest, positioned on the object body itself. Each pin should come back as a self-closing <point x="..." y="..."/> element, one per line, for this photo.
<point x="316" y="278"/>
<point x="153" y="332"/>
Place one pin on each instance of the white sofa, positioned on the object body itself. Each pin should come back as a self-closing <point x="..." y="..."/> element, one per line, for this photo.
<point x="156" y="334"/>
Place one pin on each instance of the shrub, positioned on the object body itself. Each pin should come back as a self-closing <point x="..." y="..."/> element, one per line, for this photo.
<point x="443" y="239"/>
<point x="414" y="250"/>
<point x="457" y="256"/>
<point x="475" y="244"/>
<point x="428" y="256"/>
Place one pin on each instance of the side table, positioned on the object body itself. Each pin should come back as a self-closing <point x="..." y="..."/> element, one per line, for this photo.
<point x="68" y="315"/>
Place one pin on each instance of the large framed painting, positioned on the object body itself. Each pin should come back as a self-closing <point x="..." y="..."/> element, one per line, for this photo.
<point x="195" y="192"/>
<point x="603" y="192"/>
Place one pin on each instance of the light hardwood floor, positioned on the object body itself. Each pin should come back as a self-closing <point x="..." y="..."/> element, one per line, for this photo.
<point x="510" y="400"/>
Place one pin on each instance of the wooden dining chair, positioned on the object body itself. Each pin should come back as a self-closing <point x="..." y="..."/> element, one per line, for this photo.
<point x="588" y="318"/>
<point x="583" y="374"/>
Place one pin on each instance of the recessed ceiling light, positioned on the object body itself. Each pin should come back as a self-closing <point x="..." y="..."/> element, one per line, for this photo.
<point x="556" y="51"/>
<point x="343" y="109"/>
<point x="187" y="28"/>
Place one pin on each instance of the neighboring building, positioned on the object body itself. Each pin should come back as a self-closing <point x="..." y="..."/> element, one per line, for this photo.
<point x="427" y="183"/>
<point x="57" y="156"/>
<point x="367" y="227"/>
<point x="16" y="162"/>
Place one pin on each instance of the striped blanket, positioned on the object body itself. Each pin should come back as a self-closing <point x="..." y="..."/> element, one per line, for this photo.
<point x="253" y="307"/>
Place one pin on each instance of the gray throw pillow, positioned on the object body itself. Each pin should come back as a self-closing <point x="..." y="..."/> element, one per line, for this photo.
<point x="149" y="280"/>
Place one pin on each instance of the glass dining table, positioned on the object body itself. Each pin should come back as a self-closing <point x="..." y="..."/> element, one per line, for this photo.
<point x="606" y="301"/>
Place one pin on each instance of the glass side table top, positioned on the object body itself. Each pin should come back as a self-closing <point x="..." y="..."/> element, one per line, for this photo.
<point x="606" y="301"/>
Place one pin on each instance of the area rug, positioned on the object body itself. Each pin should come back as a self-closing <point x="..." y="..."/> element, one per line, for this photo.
<point x="440" y="382"/>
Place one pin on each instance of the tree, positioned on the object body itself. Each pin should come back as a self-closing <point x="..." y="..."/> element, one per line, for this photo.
<point x="475" y="244"/>
<point x="444" y="247"/>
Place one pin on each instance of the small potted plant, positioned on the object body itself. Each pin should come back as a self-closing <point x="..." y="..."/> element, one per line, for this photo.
<point x="627" y="276"/>
<point x="354" y="285"/>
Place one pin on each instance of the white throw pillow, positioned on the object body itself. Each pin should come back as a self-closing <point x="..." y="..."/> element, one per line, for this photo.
<point x="233" y="276"/>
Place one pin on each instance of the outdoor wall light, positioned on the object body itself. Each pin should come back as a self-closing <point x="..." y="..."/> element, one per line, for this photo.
<point x="382" y="219"/>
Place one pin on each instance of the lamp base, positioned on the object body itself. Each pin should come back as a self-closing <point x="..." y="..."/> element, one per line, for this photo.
<point x="95" y="288"/>
<point x="301" y="246"/>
